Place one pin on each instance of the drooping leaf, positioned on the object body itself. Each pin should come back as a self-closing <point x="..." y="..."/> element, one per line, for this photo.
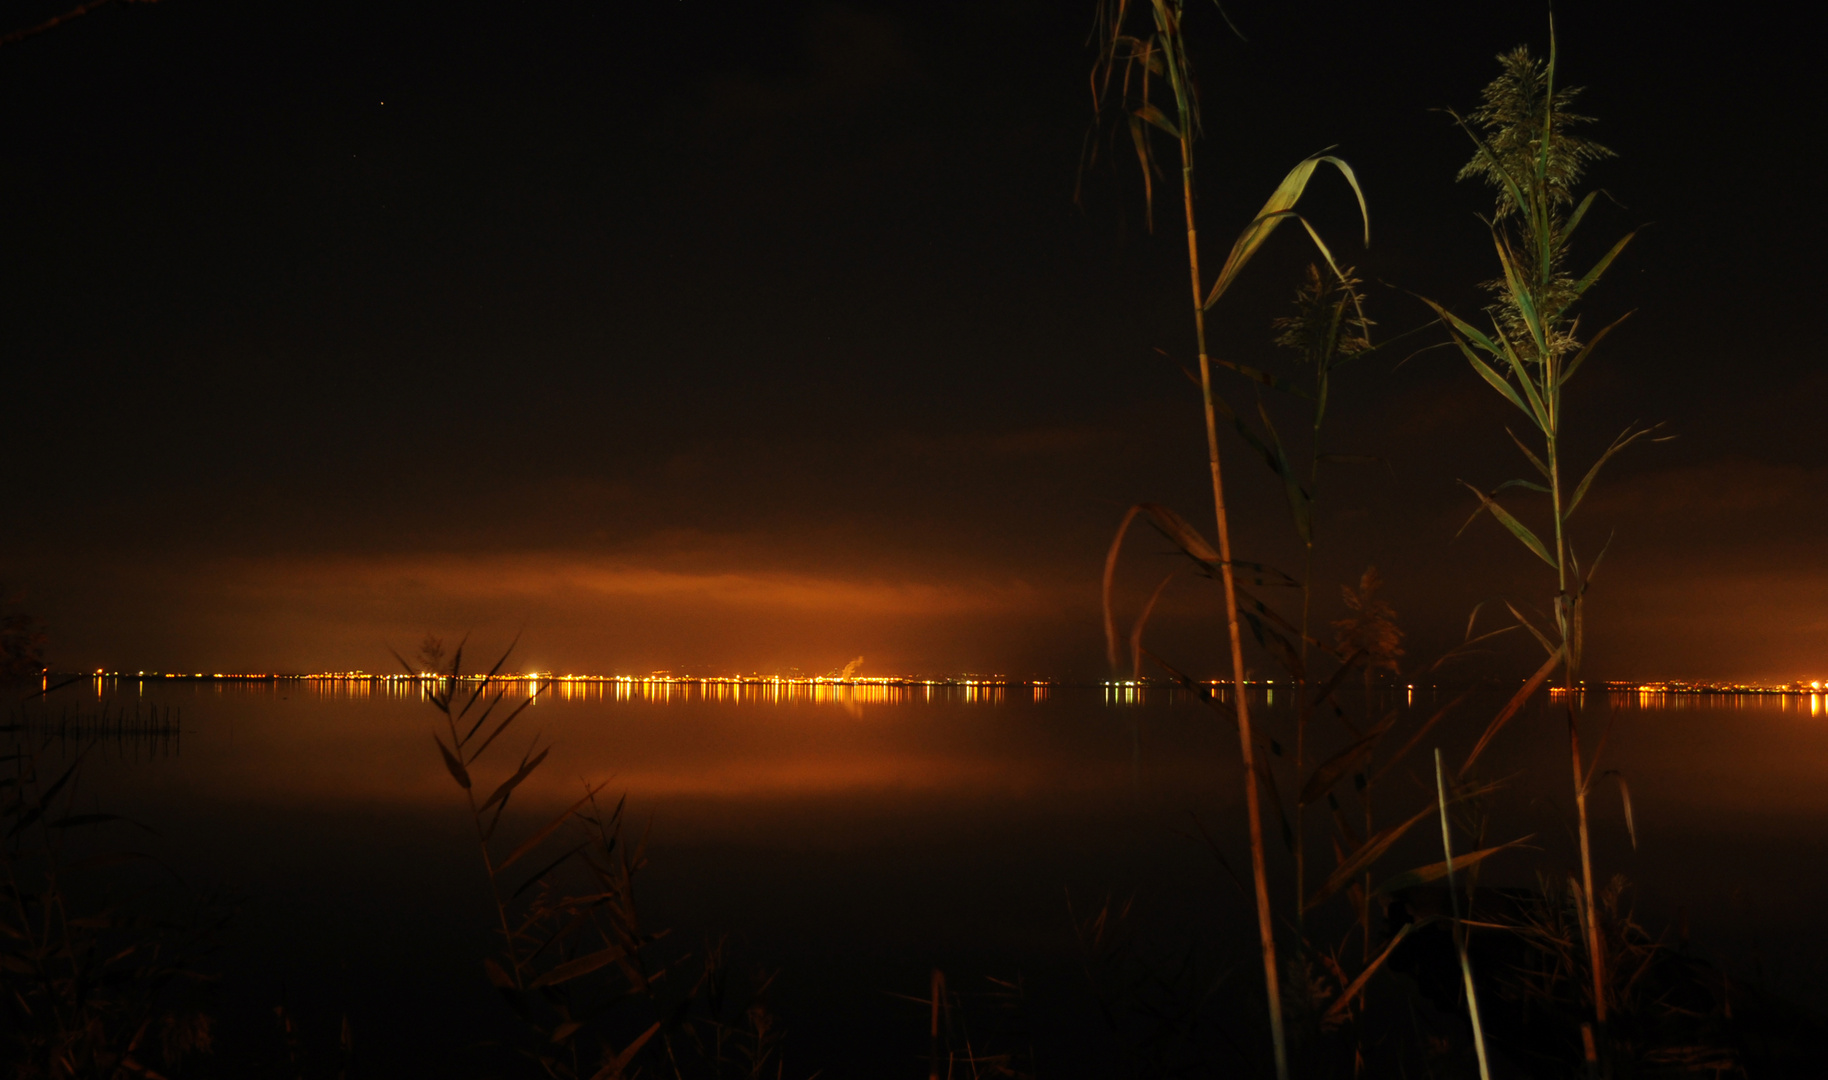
<point x="1280" y="206"/>
<point x="1528" y="453"/>
<point x="1541" y="638"/>
<point x="1149" y="114"/>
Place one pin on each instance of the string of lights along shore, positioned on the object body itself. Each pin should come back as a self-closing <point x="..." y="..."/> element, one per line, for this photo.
<point x="535" y="678"/>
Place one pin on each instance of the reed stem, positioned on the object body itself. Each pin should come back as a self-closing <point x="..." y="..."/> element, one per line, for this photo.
<point x="1266" y="931"/>
<point x="1459" y="929"/>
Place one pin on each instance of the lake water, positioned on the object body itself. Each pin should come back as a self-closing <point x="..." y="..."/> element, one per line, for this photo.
<point x="856" y="839"/>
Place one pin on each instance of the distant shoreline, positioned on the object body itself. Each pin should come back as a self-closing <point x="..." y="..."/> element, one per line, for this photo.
<point x="1667" y="687"/>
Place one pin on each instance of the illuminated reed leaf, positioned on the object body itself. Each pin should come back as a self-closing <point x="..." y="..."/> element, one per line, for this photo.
<point x="1626" y="438"/>
<point x="1533" y="684"/>
<point x="1517" y="528"/>
<point x="1531" y="455"/>
<point x="458" y="772"/>
<point x="1542" y="413"/>
<point x="1574" y="219"/>
<point x="1581" y="356"/>
<point x="1541" y="638"/>
<point x="1149" y="114"/>
<point x="1527" y="485"/>
<point x="1597" y="559"/>
<point x="1361" y="859"/>
<point x="1337" y="1011"/>
<point x="1461" y="332"/>
<point x="1422" y="875"/>
<point x="1593" y="275"/>
<point x="1279" y="206"/>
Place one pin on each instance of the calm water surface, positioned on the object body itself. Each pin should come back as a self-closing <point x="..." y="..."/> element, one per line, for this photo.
<point x="857" y="839"/>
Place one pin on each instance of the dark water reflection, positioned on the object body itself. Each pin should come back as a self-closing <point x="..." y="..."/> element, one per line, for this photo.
<point x="855" y="840"/>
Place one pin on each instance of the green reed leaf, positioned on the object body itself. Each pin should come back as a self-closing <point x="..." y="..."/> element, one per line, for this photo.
<point x="1593" y="275"/>
<point x="1625" y="438"/>
<point x="1587" y="349"/>
<point x="1574" y="219"/>
<point x="1280" y="206"/>
<point x="1517" y="528"/>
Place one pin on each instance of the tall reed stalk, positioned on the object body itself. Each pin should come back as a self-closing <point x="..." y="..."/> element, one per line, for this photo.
<point x="1459" y="926"/>
<point x="1526" y="146"/>
<point x="1143" y="49"/>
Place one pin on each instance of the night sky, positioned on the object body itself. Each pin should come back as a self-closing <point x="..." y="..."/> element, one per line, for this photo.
<point x="728" y="336"/>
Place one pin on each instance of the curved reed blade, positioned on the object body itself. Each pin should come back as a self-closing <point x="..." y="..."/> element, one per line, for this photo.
<point x="1280" y="206"/>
